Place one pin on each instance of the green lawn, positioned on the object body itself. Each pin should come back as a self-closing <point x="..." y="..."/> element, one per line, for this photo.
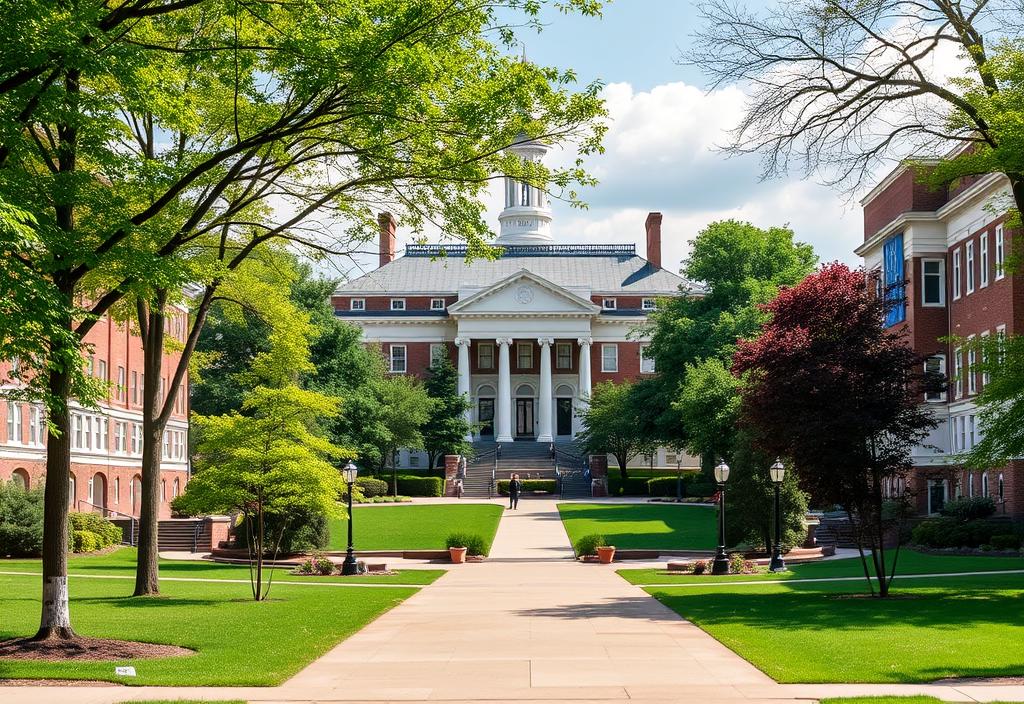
<point x="237" y="641"/>
<point x="416" y="526"/>
<point x="910" y="562"/>
<point x="122" y="562"/>
<point x="829" y="632"/>
<point x="643" y="526"/>
<point x="887" y="700"/>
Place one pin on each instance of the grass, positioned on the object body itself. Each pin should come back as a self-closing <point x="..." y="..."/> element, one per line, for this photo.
<point x="122" y="563"/>
<point x="237" y="641"/>
<point x="415" y="527"/>
<point x="910" y="562"/>
<point x="887" y="700"/>
<point x="643" y="526"/>
<point x="830" y="632"/>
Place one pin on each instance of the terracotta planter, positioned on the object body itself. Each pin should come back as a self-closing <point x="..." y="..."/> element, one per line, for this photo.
<point x="606" y="553"/>
<point x="458" y="555"/>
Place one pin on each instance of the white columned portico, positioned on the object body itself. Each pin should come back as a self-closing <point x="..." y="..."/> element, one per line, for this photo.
<point x="464" y="386"/>
<point x="503" y="409"/>
<point x="585" y="343"/>
<point x="544" y="433"/>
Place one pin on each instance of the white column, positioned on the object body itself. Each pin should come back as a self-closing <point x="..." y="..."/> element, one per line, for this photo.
<point x="545" y="434"/>
<point x="464" y="387"/>
<point x="584" y="343"/>
<point x="503" y="408"/>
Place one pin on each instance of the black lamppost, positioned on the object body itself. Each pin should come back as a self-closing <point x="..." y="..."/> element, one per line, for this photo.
<point x="349" y="566"/>
<point x="778" y="473"/>
<point x="720" y="565"/>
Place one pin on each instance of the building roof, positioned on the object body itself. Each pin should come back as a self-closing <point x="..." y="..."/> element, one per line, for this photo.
<point x="443" y="269"/>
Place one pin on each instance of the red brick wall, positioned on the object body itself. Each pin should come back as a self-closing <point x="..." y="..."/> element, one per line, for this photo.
<point x="906" y="193"/>
<point x="622" y="302"/>
<point x="1001" y="302"/>
<point x="629" y="363"/>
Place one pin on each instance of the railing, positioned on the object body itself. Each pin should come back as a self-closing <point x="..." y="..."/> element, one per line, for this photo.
<point x="195" y="535"/>
<point x="493" y="486"/>
<point x="532" y="250"/>
<point x="109" y="511"/>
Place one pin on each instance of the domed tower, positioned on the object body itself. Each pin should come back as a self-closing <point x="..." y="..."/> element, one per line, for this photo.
<point x="526" y="218"/>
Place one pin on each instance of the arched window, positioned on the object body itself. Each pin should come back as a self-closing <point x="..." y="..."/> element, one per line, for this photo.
<point x="970" y="485"/>
<point x="485" y="391"/>
<point x="136" y="494"/>
<point x="20" y="479"/>
<point x="175" y="489"/>
<point x="984" y="483"/>
<point x="524" y="390"/>
<point x="117" y="490"/>
<point x="1001" y="495"/>
<point x="564" y="390"/>
<point x="72" y="491"/>
<point x="163" y="490"/>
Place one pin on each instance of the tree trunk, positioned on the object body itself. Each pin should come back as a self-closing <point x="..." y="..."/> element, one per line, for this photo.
<point x="623" y="460"/>
<point x="55" y="621"/>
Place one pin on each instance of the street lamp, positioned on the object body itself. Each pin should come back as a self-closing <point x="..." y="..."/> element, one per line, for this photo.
<point x="777" y="472"/>
<point x="349" y="566"/>
<point x="720" y="565"/>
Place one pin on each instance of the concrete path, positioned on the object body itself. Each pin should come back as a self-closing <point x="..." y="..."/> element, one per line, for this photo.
<point x="531" y="624"/>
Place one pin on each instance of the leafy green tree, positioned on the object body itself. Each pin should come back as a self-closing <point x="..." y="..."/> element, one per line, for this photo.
<point x="389" y="414"/>
<point x="708" y="407"/>
<point x="1000" y="401"/>
<point x="21" y="521"/>
<point x="445" y="433"/>
<point x="613" y="424"/>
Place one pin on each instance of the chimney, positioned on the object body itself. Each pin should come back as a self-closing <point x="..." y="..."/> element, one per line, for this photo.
<point x="653" y="226"/>
<point x="386" y="221"/>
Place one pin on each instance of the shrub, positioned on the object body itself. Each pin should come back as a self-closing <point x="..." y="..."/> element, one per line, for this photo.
<point x="701" y="488"/>
<point x="304" y="531"/>
<point x="304" y="567"/>
<point x="700" y="566"/>
<point x="473" y="542"/>
<point x="1005" y="541"/>
<point x="411" y="485"/>
<point x="85" y="541"/>
<point x="948" y="532"/>
<point x="970" y="508"/>
<point x="634" y="486"/>
<point x="21" y="521"/>
<point x="545" y="485"/>
<point x="371" y="487"/>
<point x="107" y="532"/>
<point x="588" y="545"/>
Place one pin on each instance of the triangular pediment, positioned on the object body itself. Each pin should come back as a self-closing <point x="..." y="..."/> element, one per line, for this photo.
<point x="524" y="293"/>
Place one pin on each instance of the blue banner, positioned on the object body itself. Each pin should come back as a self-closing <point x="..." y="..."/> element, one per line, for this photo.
<point x="894" y="279"/>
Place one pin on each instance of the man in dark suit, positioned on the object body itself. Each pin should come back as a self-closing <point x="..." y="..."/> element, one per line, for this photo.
<point x="514" y="487"/>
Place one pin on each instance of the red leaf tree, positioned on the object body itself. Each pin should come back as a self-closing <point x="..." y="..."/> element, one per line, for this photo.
<point x="830" y="388"/>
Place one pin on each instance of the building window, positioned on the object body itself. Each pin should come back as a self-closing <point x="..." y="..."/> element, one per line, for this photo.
<point x="397" y="304"/>
<point x="524" y="355"/>
<point x="958" y="370"/>
<point x="485" y="355"/>
<point x="962" y="427"/>
<point x="956" y="273"/>
<point x="72" y="490"/>
<point x="970" y="485"/>
<point x="13" y="423"/>
<point x="933" y="285"/>
<point x="120" y="384"/>
<point x="117" y="490"/>
<point x="892" y="258"/>
<point x="609" y="303"/>
<point x="649" y="304"/>
<point x="969" y="263"/>
<point x="983" y="259"/>
<point x="972" y="357"/>
<point x="1000" y="253"/>
<point x="563" y="355"/>
<point x="1001" y="490"/>
<point x="357" y="304"/>
<point x="935" y="366"/>
<point x="437" y="353"/>
<point x="970" y="432"/>
<point x="398" y="359"/>
<point x="985" y="377"/>
<point x="646" y="360"/>
<point x="135" y="387"/>
<point x="37" y="426"/>
<point x="436" y="304"/>
<point x="414" y="460"/>
<point x="609" y="358"/>
<point x="119" y="428"/>
<point x="984" y="483"/>
<point x="175" y="488"/>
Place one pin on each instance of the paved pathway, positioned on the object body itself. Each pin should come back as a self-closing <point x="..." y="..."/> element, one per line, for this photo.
<point x="528" y="624"/>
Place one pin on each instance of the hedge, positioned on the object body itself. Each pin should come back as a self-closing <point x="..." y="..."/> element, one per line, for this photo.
<point x="643" y="484"/>
<point x="947" y="532"/>
<point x="370" y="487"/>
<point x="410" y="485"/>
<point x="91" y="532"/>
<point x="544" y="485"/>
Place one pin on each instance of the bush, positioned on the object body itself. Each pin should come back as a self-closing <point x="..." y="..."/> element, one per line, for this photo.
<point x="107" y="533"/>
<point x="85" y="541"/>
<point x="371" y="487"/>
<point x="634" y="486"/>
<point x="21" y="521"/>
<point x="970" y="509"/>
<point x="588" y="545"/>
<point x="544" y="485"/>
<point x="1005" y="541"/>
<point x="700" y="566"/>
<point x="473" y="542"/>
<point x="738" y="565"/>
<point x="304" y="531"/>
<point x="948" y="532"/>
<point x="411" y="485"/>
<point x="703" y="489"/>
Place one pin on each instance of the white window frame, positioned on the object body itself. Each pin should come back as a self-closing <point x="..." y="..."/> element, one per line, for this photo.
<point x="970" y="432"/>
<point x="524" y="349"/>
<point x="958" y="368"/>
<point x="119" y="437"/>
<point x="969" y="264"/>
<point x="940" y="397"/>
<point x="647" y="364"/>
<point x="436" y="304"/>
<point x="397" y="304"/>
<point x="559" y="348"/>
<point x="135" y="387"/>
<point x="136" y="439"/>
<point x="610" y="365"/>
<point x="649" y="304"/>
<point x="956" y="274"/>
<point x="984" y="483"/>
<point x="970" y="485"/>
<point x="489" y="346"/>
<point x="972" y="358"/>
<point x="392" y="359"/>
<point x="985" y="376"/>
<point x="942" y="283"/>
<point x="437" y="352"/>
<point x="121" y="383"/>
<point x="983" y="259"/>
<point x="357" y="304"/>
<point x="35" y="426"/>
<point x="1000" y="252"/>
<point x="14" y="425"/>
<point x="609" y="304"/>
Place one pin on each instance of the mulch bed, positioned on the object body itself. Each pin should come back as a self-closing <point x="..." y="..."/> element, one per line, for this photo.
<point x="82" y="648"/>
<point x="983" y="681"/>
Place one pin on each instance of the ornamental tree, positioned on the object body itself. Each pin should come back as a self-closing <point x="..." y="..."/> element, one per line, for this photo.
<point x="445" y="433"/>
<point x="835" y="392"/>
<point x="1000" y="402"/>
<point x="613" y="424"/>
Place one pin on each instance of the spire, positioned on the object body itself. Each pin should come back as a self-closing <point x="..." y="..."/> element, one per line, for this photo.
<point x="526" y="218"/>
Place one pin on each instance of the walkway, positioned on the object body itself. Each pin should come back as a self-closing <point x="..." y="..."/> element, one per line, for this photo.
<point x="531" y="624"/>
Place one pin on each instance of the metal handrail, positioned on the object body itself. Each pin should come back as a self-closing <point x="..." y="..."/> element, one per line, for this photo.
<point x="131" y="526"/>
<point x="494" y="477"/>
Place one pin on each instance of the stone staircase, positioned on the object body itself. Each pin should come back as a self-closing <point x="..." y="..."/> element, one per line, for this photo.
<point x="177" y="534"/>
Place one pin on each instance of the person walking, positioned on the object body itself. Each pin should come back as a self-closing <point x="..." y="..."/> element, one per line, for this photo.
<point x="514" y="487"/>
<point x="460" y="476"/>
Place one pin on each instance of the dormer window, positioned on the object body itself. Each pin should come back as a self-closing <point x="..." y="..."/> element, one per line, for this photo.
<point x="397" y="304"/>
<point x="357" y="304"/>
<point x="609" y="304"/>
<point x="436" y="304"/>
<point x="649" y="304"/>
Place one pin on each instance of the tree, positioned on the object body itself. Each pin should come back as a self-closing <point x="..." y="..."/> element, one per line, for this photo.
<point x="839" y="86"/>
<point x="828" y="387"/>
<point x="136" y="134"/>
<point x="613" y="424"/>
<point x="1001" y="401"/>
<point x="389" y="415"/>
<point x="446" y="431"/>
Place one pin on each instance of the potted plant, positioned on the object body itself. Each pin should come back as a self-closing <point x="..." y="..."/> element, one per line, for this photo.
<point x="590" y="546"/>
<point x="461" y="544"/>
<point x="606" y="553"/>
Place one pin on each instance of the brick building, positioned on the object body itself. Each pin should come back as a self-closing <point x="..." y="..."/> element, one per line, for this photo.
<point x="106" y="442"/>
<point x="530" y="332"/>
<point x="949" y="245"/>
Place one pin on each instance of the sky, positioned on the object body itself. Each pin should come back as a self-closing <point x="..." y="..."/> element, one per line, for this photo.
<point x="662" y="147"/>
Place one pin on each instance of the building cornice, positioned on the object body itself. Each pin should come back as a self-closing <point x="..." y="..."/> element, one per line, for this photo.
<point x="900" y="222"/>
